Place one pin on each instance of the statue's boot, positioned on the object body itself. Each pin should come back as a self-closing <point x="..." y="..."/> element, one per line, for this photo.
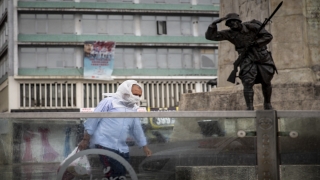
<point x="267" y="98"/>
<point x="248" y="96"/>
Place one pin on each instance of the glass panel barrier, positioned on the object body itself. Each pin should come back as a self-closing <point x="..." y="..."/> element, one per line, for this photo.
<point x="195" y="142"/>
<point x="34" y="147"/>
<point x="299" y="140"/>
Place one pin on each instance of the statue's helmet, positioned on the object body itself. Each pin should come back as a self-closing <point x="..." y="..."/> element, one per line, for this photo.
<point x="232" y="16"/>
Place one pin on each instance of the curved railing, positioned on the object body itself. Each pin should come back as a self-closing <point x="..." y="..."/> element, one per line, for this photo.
<point x="110" y="154"/>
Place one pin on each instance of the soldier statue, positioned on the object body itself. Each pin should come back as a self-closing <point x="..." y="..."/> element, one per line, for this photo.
<point x="257" y="66"/>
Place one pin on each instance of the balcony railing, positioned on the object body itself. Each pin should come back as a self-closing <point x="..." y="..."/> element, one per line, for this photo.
<point x="63" y="95"/>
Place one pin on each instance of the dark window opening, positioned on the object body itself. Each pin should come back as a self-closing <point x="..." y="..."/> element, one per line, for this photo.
<point x="161" y="27"/>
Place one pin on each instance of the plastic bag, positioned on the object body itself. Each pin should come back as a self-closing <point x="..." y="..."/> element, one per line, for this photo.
<point x="79" y="167"/>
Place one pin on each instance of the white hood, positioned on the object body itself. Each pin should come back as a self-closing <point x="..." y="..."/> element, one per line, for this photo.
<point x="125" y="95"/>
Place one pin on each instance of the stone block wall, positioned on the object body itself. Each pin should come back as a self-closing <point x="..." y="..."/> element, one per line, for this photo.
<point x="297" y="96"/>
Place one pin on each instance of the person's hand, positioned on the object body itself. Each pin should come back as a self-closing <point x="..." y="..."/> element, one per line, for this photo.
<point x="219" y="20"/>
<point x="83" y="145"/>
<point x="147" y="151"/>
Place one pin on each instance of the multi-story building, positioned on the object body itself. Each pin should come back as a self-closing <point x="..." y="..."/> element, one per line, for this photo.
<point x="159" y="43"/>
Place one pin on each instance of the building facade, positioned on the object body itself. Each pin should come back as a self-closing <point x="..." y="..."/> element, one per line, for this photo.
<point x="159" y="43"/>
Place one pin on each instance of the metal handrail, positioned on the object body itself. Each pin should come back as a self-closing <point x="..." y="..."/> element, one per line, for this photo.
<point x="172" y="114"/>
<point x="110" y="154"/>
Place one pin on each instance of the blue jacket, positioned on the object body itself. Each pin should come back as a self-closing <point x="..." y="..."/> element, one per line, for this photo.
<point x="113" y="132"/>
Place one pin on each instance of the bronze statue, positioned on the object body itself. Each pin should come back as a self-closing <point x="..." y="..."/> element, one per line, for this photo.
<point x="255" y="61"/>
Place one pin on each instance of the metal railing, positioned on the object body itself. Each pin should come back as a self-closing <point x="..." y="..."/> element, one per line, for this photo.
<point x="62" y="94"/>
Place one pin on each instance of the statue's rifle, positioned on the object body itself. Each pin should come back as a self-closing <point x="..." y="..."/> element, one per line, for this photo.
<point x="233" y="74"/>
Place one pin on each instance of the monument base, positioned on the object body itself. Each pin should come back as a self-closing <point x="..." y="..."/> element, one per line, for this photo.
<point x="297" y="90"/>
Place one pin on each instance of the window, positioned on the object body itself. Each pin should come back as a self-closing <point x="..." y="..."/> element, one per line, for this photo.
<point x="147" y="1"/>
<point x="164" y="1"/>
<point x="69" y="56"/>
<point x="46" y="24"/>
<point x="118" y="1"/>
<point x="185" y="1"/>
<point x="115" y="24"/>
<point x="174" y="58"/>
<point x="107" y="24"/>
<point x="186" y="25"/>
<point x="41" y="23"/>
<point x="68" y="25"/>
<point x="169" y="25"/>
<point x="89" y="23"/>
<point x="209" y="2"/>
<point x="173" y="2"/>
<point x="124" y="58"/>
<point x="27" y="58"/>
<point x="3" y="35"/>
<point x="149" y="58"/>
<point x="101" y="24"/>
<point x="47" y="58"/>
<point x="148" y="26"/>
<point x="203" y="24"/>
<point x="27" y="24"/>
<point x="187" y="59"/>
<point x="55" y="58"/>
<point x="3" y="66"/>
<point x="41" y="58"/>
<point x="162" y="56"/>
<point x="128" y="25"/>
<point x="54" y="23"/>
<point x="174" y="25"/>
<point x="118" y="59"/>
<point x="161" y="27"/>
<point x="209" y="58"/>
<point x="216" y="1"/>
<point x="207" y="61"/>
<point x="129" y="58"/>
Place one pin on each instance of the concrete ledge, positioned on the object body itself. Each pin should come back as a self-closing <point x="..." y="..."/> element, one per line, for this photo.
<point x="287" y="96"/>
<point x="129" y="40"/>
<point x="104" y="6"/>
<point x="116" y="72"/>
<point x="287" y="172"/>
